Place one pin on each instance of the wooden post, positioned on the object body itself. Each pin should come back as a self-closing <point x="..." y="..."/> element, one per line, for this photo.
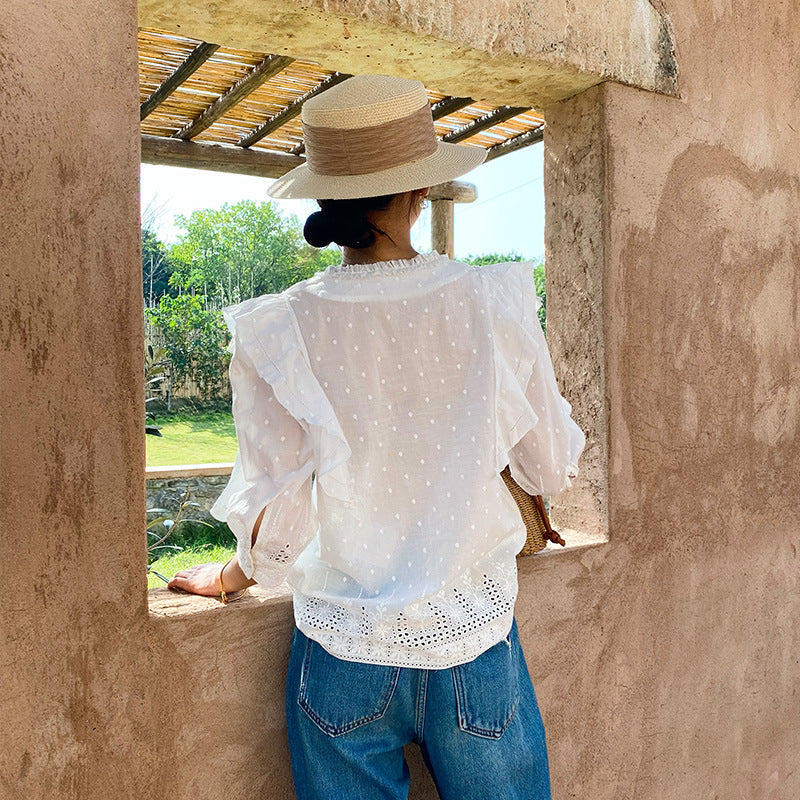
<point x="442" y="198"/>
<point x="442" y="219"/>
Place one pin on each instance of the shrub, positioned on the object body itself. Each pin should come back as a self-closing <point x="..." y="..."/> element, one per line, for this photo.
<point x="195" y="342"/>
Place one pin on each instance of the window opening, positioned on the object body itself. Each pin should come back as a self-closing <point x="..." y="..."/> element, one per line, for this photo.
<point x="209" y="239"/>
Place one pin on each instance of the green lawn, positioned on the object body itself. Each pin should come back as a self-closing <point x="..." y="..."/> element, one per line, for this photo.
<point x="170" y="564"/>
<point x="207" y="437"/>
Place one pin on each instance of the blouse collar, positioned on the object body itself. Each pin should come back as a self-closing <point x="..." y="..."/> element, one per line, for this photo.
<point x="393" y="267"/>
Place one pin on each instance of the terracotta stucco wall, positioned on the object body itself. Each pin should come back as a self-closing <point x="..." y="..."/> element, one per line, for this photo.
<point x="73" y="607"/>
<point x="519" y="52"/>
<point x="704" y="381"/>
<point x="665" y="660"/>
<point x="677" y="642"/>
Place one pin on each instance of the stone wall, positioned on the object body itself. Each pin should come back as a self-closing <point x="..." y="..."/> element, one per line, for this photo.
<point x="169" y="492"/>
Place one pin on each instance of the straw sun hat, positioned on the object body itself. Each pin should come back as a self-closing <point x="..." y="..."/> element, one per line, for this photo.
<point x="372" y="135"/>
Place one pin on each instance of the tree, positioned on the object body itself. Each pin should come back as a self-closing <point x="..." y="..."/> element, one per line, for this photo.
<point x="238" y="251"/>
<point x="538" y="274"/>
<point x="224" y="256"/>
<point x="313" y="260"/>
<point x="195" y="339"/>
<point x="156" y="267"/>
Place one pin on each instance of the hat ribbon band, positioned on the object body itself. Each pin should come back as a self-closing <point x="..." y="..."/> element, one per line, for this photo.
<point x="358" y="151"/>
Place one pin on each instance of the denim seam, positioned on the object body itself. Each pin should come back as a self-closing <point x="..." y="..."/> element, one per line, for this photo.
<point x="422" y="697"/>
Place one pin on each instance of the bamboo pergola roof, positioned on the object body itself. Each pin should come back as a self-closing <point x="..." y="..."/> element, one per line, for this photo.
<point x="248" y="104"/>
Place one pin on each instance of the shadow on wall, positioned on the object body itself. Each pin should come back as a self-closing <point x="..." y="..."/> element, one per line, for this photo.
<point x="739" y="284"/>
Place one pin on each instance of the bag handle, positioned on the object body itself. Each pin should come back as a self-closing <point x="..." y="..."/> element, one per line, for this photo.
<point x="549" y="534"/>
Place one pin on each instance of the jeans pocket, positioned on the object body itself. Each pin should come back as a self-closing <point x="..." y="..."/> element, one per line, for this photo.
<point x="340" y="695"/>
<point x="487" y="690"/>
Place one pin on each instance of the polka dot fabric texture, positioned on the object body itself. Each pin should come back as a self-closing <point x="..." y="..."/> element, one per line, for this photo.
<point x="375" y="406"/>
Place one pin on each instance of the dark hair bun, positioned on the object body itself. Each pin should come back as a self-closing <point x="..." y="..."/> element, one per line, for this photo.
<point x="347" y="230"/>
<point x="344" y="222"/>
<point x="317" y="230"/>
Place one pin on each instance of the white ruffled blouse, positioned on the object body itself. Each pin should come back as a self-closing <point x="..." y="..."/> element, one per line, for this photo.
<point x="375" y="406"/>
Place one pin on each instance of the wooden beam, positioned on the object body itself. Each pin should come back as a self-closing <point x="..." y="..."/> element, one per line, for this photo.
<point x="482" y="123"/>
<point x="245" y="161"/>
<point x="515" y="143"/>
<point x="291" y="111"/>
<point x="458" y="191"/>
<point x="449" y="105"/>
<point x="261" y="73"/>
<point x="221" y="158"/>
<point x="190" y="65"/>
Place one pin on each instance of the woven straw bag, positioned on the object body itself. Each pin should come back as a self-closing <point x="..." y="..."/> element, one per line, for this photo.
<point x="534" y="515"/>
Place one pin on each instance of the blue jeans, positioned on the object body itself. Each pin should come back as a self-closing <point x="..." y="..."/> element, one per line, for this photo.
<point x="478" y="726"/>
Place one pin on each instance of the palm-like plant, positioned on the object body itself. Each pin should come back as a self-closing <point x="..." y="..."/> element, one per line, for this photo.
<point x="155" y="363"/>
<point x="156" y="538"/>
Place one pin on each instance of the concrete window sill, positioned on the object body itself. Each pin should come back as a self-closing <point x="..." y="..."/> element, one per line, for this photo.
<point x="165" y="603"/>
<point x="575" y="540"/>
<point x="187" y="471"/>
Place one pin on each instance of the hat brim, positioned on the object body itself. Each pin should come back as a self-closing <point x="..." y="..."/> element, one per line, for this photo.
<point x="447" y="162"/>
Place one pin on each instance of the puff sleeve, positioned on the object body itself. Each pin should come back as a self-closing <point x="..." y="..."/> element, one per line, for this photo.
<point x="536" y="435"/>
<point x="279" y="443"/>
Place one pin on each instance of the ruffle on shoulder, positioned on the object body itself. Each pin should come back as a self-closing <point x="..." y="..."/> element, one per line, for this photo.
<point x="267" y="330"/>
<point x="513" y="306"/>
<point x="536" y="435"/>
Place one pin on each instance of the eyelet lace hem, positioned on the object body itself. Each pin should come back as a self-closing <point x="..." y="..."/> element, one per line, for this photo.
<point x="393" y="267"/>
